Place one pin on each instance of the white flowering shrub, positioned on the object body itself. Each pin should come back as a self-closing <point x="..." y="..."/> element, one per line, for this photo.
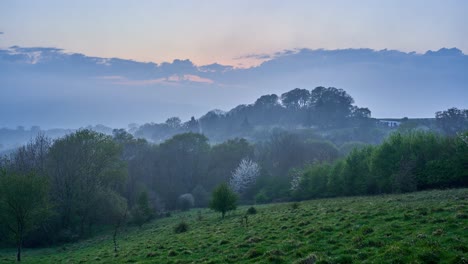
<point x="296" y="180"/>
<point x="244" y="175"/>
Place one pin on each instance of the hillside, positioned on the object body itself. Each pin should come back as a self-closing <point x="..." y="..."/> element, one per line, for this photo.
<point x="423" y="227"/>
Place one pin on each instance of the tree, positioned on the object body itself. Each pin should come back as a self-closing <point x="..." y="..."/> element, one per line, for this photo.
<point x="244" y="176"/>
<point x="267" y="101"/>
<point x="223" y="199"/>
<point x="114" y="209"/>
<point x="142" y="212"/>
<point x="32" y="157"/>
<point x="192" y="125"/>
<point x="24" y="203"/>
<point x="452" y="121"/>
<point x="296" y="99"/>
<point x="181" y="165"/>
<point x="80" y="166"/>
<point x="223" y="159"/>
<point x="331" y="106"/>
<point x="174" y="122"/>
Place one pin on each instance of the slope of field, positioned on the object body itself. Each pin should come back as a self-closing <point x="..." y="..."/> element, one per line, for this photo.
<point x="425" y="227"/>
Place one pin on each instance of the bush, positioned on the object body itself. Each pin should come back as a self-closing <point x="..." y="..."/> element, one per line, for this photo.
<point x="295" y="205"/>
<point x="181" y="227"/>
<point x="185" y="202"/>
<point x="251" y="210"/>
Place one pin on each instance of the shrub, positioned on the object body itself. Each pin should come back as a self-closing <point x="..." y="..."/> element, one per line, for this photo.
<point x="185" y="202"/>
<point x="251" y="210"/>
<point x="295" y="205"/>
<point x="181" y="227"/>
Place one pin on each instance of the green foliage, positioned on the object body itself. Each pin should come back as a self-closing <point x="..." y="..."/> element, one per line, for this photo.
<point x="251" y="210"/>
<point x="181" y="227"/>
<point x="24" y="203"/>
<point x="183" y="161"/>
<point x="142" y="212"/>
<point x="407" y="162"/>
<point x="262" y="197"/>
<point x="223" y="199"/>
<point x="81" y="166"/>
<point x="295" y="205"/>
<point x="347" y="147"/>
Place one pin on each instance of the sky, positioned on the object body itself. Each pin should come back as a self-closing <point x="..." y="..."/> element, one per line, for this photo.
<point x="55" y="71"/>
<point x="228" y="31"/>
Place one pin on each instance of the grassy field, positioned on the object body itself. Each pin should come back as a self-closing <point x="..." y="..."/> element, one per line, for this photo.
<point x="424" y="227"/>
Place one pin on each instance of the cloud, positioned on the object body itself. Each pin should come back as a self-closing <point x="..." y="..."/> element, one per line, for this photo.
<point x="259" y="56"/>
<point x="170" y="80"/>
<point x="1" y="33"/>
<point x="111" y="77"/>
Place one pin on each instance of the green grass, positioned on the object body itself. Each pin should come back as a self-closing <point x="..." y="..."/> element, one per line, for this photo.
<point x="424" y="227"/>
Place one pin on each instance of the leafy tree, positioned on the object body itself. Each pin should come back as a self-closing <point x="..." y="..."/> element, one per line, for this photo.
<point x="223" y="199"/>
<point x="267" y="101"/>
<point x="181" y="165"/>
<point x="114" y="209"/>
<point x="174" y="122"/>
<point x="296" y="99"/>
<point x="24" y="203"/>
<point x="452" y="120"/>
<point x="80" y="166"/>
<point x="142" y="212"/>
<point x="223" y="159"/>
<point x="192" y="125"/>
<point x="330" y="106"/>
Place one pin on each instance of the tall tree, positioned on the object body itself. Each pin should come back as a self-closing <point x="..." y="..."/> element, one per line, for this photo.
<point x="330" y="106"/>
<point x="83" y="164"/>
<point x="24" y="203"/>
<point x="296" y="99"/>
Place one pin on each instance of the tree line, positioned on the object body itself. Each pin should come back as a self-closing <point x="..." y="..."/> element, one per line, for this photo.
<point x="322" y="108"/>
<point x="402" y="163"/>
